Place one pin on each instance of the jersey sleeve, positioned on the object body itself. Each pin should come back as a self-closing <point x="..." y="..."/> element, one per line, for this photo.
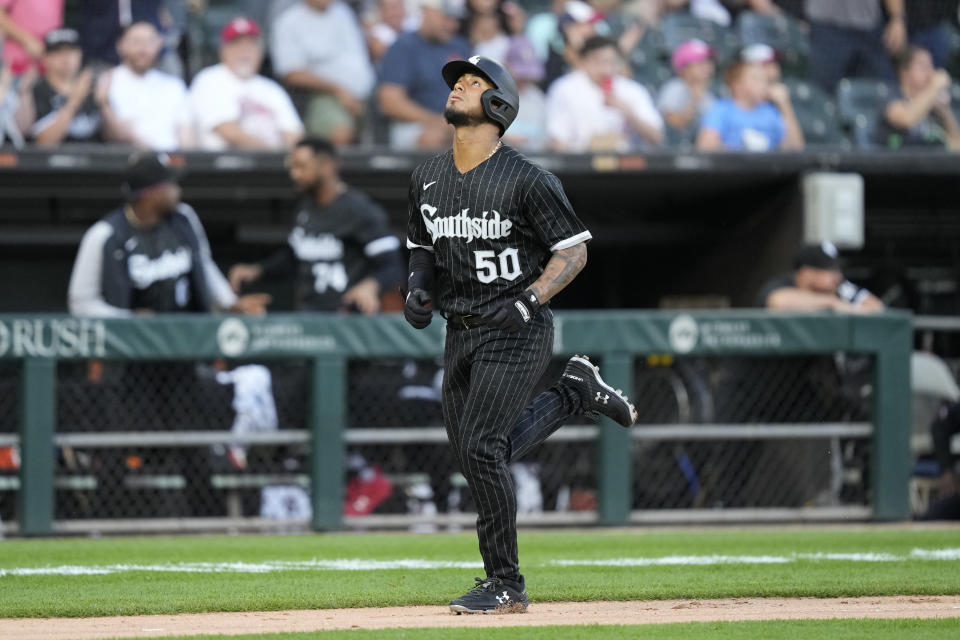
<point x="94" y="280"/>
<point x="374" y="232"/>
<point x="219" y="292"/>
<point x="418" y="236"/>
<point x="551" y="215"/>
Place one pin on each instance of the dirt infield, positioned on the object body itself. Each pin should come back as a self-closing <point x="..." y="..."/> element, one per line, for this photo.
<point x="555" y="613"/>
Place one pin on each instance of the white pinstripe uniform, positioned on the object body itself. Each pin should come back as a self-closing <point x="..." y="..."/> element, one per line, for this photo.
<point x="492" y="231"/>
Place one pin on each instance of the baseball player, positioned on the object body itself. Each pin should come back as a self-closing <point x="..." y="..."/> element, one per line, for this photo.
<point x="340" y="247"/>
<point x="493" y="238"/>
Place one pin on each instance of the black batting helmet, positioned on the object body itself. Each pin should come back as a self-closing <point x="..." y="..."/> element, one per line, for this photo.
<point x="501" y="103"/>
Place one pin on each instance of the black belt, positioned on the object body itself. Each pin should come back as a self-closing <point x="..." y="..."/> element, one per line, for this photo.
<point x="468" y="321"/>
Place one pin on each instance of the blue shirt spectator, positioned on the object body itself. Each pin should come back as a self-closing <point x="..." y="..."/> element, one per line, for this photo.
<point x="757" y="129"/>
<point x="412" y="93"/>
<point x="757" y="116"/>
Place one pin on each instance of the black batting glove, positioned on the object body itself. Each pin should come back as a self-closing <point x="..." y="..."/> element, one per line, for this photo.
<point x="418" y="308"/>
<point x="514" y="315"/>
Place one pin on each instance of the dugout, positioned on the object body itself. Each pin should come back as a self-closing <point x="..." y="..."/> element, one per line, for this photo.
<point x="706" y="229"/>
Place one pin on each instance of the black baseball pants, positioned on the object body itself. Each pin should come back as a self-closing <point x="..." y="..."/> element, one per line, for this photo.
<point x="488" y="382"/>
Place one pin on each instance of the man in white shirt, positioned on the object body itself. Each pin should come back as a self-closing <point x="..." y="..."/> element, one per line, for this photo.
<point x="142" y="106"/>
<point x="233" y="107"/>
<point x="595" y="108"/>
<point x="318" y="46"/>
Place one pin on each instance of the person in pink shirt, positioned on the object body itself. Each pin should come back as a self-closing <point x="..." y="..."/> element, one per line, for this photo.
<point x="23" y="24"/>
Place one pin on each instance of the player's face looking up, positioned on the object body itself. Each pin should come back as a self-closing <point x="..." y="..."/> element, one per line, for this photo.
<point x="310" y="170"/>
<point x="464" y="107"/>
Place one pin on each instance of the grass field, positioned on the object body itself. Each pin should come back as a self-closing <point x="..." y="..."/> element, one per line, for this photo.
<point x="781" y="629"/>
<point x="51" y="578"/>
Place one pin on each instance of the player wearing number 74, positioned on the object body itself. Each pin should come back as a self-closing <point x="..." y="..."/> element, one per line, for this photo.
<point x="492" y="239"/>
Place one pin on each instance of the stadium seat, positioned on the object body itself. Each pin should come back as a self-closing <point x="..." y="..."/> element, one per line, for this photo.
<point x="679" y="27"/>
<point x="859" y="101"/>
<point x="817" y="115"/>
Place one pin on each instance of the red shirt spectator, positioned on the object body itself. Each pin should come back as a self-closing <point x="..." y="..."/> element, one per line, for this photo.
<point x="24" y="23"/>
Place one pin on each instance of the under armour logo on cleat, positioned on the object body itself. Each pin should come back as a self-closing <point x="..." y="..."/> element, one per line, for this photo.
<point x="602" y="399"/>
<point x="504" y="598"/>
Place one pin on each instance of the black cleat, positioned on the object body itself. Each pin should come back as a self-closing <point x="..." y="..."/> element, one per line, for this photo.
<point x="598" y="397"/>
<point x="492" y="595"/>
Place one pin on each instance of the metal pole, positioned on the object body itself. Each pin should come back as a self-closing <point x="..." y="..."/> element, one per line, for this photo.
<point x="327" y="423"/>
<point x="614" y="451"/>
<point x="37" y="425"/>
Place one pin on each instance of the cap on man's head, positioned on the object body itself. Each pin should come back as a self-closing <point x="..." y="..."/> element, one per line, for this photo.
<point x="758" y="53"/>
<point x="580" y="12"/>
<point x="61" y="39"/>
<point x="237" y="28"/>
<point x="819" y="256"/>
<point x="690" y="52"/>
<point x="147" y="169"/>
<point x="452" y="8"/>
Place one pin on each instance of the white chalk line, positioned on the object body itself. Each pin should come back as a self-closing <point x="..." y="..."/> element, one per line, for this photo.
<point x="360" y="564"/>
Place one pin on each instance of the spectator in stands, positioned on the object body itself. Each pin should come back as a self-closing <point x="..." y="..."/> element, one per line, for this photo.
<point x="927" y="26"/>
<point x="233" y="107"/>
<point x="746" y="121"/>
<point x="849" y="39"/>
<point x="943" y="430"/>
<point x="59" y="107"/>
<point x="578" y="22"/>
<point x="318" y="47"/>
<point x="816" y="284"/>
<point x="141" y="105"/>
<point x="340" y="250"/>
<point x="412" y="93"/>
<point x="385" y="26"/>
<point x="150" y="255"/>
<point x="597" y="108"/>
<point x="684" y="99"/>
<point x="23" y="24"/>
<point x="485" y="27"/>
<point x="102" y="23"/>
<point x="528" y="132"/>
<point x="918" y="112"/>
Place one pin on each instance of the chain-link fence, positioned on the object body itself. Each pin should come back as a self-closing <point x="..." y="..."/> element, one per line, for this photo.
<point x="714" y="432"/>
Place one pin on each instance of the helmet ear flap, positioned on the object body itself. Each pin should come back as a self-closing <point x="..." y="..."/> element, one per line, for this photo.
<point x="498" y="110"/>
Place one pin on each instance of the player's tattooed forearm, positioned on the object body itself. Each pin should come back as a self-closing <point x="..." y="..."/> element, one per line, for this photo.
<point x="563" y="267"/>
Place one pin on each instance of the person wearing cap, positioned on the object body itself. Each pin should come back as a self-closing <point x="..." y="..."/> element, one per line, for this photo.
<point x="143" y="106"/>
<point x="317" y="47"/>
<point x="233" y="106"/>
<point x="597" y="108"/>
<point x="685" y="98"/>
<point x="493" y="239"/>
<point x="816" y="284"/>
<point x="150" y="255"/>
<point x="578" y="23"/>
<point x="747" y="120"/>
<point x="23" y="24"/>
<point x="410" y="93"/>
<point x="59" y="107"/>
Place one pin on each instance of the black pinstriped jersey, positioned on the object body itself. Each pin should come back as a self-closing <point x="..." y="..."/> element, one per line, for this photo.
<point x="491" y="229"/>
<point x="332" y="248"/>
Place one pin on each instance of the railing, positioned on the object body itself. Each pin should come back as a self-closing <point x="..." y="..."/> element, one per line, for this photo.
<point x="328" y="342"/>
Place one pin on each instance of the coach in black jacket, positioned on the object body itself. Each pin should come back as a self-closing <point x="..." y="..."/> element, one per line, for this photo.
<point x="151" y="254"/>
